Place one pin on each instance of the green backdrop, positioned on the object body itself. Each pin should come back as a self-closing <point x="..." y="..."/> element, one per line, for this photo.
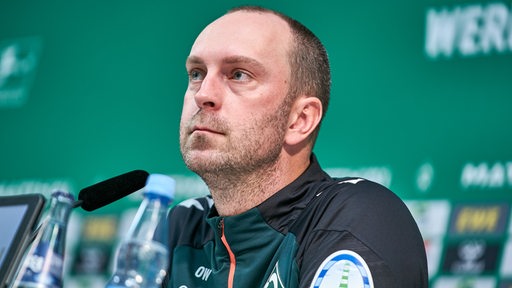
<point x="421" y="101"/>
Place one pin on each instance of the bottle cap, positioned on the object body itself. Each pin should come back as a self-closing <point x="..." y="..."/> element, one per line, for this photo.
<point x="63" y="196"/>
<point x="161" y="185"/>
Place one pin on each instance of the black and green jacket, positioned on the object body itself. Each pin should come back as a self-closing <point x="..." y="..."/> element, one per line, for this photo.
<point x="285" y="241"/>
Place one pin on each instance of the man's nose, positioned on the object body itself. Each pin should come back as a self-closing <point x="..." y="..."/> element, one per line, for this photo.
<point x="210" y="94"/>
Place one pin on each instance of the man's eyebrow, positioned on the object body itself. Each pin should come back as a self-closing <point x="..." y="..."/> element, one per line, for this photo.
<point x="245" y="60"/>
<point x="236" y="59"/>
<point x="194" y="60"/>
<point x="241" y="59"/>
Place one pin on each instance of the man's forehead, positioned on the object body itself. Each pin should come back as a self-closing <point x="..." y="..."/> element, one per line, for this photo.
<point x="243" y="37"/>
<point x="252" y="23"/>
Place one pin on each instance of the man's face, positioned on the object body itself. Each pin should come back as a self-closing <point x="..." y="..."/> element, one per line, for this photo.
<point x="233" y="118"/>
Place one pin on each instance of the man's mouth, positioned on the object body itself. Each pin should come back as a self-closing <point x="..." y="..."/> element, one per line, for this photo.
<point x="199" y="128"/>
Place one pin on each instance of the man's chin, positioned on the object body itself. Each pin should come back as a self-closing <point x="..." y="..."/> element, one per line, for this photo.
<point x="200" y="161"/>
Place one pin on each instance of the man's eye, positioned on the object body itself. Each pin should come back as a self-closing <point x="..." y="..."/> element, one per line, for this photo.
<point x="240" y="75"/>
<point x="195" y="75"/>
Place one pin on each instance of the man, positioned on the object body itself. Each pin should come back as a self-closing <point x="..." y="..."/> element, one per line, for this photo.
<point x="259" y="85"/>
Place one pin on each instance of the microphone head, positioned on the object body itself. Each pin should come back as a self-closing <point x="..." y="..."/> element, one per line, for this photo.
<point x="111" y="190"/>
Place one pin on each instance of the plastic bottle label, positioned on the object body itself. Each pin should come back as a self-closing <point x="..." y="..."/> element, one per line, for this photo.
<point x="38" y="272"/>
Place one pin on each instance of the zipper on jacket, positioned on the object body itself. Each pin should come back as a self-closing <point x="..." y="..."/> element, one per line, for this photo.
<point x="232" y="260"/>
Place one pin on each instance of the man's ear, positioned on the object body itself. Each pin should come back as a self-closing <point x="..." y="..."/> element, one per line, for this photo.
<point x="304" y="117"/>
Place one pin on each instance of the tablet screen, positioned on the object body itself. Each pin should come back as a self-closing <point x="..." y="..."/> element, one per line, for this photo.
<point x="19" y="215"/>
<point x="9" y="228"/>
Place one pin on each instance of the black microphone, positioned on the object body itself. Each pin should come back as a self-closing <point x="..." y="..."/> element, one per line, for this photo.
<point x="111" y="190"/>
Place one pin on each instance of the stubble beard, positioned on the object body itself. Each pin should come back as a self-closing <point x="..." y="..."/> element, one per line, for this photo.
<point x="244" y="158"/>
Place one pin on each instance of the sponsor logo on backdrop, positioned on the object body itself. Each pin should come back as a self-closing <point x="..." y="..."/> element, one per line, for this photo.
<point x="92" y="258"/>
<point x="479" y="219"/>
<point x="18" y="61"/>
<point x="464" y="282"/>
<point x="487" y="175"/>
<point x="432" y="219"/>
<point x="95" y="247"/>
<point x="431" y="216"/>
<point x="473" y="256"/>
<point x="425" y="177"/>
<point x="468" y="30"/>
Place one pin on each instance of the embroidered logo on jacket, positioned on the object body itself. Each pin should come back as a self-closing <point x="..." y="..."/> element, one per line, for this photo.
<point x="344" y="269"/>
<point x="274" y="280"/>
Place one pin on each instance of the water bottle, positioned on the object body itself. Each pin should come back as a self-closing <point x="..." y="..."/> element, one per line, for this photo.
<point x="44" y="263"/>
<point x="143" y="256"/>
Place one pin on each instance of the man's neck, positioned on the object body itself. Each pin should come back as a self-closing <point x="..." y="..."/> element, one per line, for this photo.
<point x="236" y="193"/>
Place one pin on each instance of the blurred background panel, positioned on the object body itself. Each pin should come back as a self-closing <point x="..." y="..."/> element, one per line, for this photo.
<point x="421" y="100"/>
